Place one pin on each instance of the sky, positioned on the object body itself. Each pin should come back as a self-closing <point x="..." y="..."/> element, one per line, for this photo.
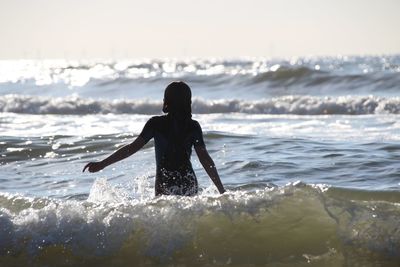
<point x="81" y="29"/>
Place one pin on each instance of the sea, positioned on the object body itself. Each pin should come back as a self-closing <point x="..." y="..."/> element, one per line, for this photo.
<point x="308" y="149"/>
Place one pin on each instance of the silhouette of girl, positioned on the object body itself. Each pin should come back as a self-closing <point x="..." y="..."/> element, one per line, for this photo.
<point x="174" y="135"/>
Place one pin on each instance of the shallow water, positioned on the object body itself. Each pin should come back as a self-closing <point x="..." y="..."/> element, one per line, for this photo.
<point x="255" y="226"/>
<point x="331" y="123"/>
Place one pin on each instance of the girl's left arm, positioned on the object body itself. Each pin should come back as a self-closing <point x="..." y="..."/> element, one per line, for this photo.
<point x="118" y="155"/>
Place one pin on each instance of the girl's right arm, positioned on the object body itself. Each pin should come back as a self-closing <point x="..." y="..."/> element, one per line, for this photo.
<point x="118" y="155"/>
<point x="209" y="166"/>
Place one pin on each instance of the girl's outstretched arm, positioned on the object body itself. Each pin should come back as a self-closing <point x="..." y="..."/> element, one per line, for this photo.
<point x="209" y="166"/>
<point x="118" y="155"/>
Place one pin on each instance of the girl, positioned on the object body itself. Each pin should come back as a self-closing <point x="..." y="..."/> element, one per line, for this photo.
<point x="174" y="135"/>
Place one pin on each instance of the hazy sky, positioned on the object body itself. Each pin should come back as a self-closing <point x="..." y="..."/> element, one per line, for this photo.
<point x="203" y="28"/>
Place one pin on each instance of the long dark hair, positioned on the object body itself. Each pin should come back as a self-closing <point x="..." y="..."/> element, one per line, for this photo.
<point x="178" y="100"/>
<point x="177" y="103"/>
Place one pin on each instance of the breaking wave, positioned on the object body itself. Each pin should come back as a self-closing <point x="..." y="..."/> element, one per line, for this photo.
<point x="382" y="71"/>
<point x="210" y="78"/>
<point x="253" y="226"/>
<point x="300" y="105"/>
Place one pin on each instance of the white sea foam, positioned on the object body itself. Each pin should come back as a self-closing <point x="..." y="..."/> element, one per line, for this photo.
<point x="160" y="228"/>
<point x="293" y="104"/>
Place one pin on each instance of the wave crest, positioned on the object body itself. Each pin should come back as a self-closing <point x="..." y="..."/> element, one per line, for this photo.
<point x="238" y="227"/>
<point x="298" y="105"/>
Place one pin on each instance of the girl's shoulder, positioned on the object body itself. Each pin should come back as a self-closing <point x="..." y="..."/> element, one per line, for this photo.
<point x="195" y="125"/>
<point x="194" y="122"/>
<point x="158" y="119"/>
<point x="162" y="122"/>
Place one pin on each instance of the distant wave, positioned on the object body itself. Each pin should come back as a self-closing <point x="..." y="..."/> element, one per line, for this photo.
<point x="344" y="73"/>
<point x="238" y="227"/>
<point x="298" y="105"/>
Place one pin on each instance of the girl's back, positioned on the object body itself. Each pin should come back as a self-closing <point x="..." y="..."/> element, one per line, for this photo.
<point x="173" y="140"/>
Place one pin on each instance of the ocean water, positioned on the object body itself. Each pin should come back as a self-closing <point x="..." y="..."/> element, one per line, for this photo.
<point x="307" y="148"/>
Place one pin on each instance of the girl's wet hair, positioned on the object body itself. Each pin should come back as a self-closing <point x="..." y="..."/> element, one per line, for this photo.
<point x="178" y="99"/>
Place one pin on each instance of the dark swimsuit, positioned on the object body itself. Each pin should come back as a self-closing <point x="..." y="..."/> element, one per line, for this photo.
<point x="173" y="141"/>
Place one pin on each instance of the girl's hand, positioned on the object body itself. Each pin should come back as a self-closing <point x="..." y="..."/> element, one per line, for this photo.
<point x="94" y="166"/>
